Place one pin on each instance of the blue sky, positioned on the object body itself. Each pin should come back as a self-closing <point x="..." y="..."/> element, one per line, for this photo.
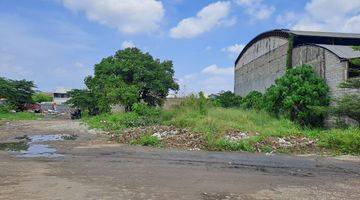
<point x="55" y="43"/>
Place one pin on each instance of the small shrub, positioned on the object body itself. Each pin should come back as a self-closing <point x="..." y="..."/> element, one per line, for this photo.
<point x="41" y="97"/>
<point x="227" y="100"/>
<point x="5" y="108"/>
<point x="351" y="83"/>
<point x="202" y="103"/>
<point x="254" y="100"/>
<point x="348" y="105"/>
<point x="147" y="140"/>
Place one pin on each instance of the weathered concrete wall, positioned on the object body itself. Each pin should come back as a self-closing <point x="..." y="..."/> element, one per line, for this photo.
<point x="326" y="64"/>
<point x="260" y="65"/>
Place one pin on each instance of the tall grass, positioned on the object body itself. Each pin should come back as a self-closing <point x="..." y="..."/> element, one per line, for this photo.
<point x="216" y="122"/>
<point x="18" y="116"/>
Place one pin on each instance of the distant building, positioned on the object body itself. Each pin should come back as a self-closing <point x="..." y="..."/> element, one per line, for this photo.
<point x="264" y="59"/>
<point x="60" y="96"/>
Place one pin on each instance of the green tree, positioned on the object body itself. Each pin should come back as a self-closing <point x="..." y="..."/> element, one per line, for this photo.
<point x="17" y="92"/>
<point x="84" y="100"/>
<point x="228" y="99"/>
<point x="41" y="97"/>
<point x="299" y="94"/>
<point x="129" y="77"/>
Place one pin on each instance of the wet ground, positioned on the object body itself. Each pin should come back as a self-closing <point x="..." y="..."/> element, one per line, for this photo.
<point x="82" y="164"/>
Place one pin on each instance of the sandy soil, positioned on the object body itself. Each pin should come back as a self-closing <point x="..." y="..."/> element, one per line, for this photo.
<point x="93" y="168"/>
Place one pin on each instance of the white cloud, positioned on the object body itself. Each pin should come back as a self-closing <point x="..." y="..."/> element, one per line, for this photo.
<point x="211" y="79"/>
<point x="330" y="15"/>
<point x="215" y="70"/>
<point x="128" y="16"/>
<point x="127" y="44"/>
<point x="256" y="9"/>
<point x="213" y="15"/>
<point x="287" y="18"/>
<point x="234" y="49"/>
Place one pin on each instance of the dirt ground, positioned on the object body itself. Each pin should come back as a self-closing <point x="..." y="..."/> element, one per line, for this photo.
<point x="93" y="168"/>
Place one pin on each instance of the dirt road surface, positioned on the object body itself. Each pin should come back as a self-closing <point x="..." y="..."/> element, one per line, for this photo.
<point x="93" y="168"/>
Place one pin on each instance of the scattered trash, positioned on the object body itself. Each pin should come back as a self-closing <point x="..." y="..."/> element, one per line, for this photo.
<point x="170" y="137"/>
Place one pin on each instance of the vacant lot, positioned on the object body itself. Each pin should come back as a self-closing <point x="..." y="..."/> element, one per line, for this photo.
<point x="92" y="168"/>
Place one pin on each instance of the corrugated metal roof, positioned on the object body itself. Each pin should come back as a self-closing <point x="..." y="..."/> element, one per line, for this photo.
<point x="346" y="52"/>
<point x="313" y="37"/>
<point x="325" y="34"/>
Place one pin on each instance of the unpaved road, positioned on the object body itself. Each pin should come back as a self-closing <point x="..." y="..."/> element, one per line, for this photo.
<point x="92" y="168"/>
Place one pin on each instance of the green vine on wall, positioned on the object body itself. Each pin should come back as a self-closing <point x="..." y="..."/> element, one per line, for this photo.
<point x="289" y="51"/>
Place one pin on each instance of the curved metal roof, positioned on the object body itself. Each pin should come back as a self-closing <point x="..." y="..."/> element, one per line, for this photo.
<point x="328" y="39"/>
<point x="344" y="52"/>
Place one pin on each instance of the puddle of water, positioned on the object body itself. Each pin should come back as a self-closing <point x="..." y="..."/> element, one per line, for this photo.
<point x="39" y="150"/>
<point x="30" y="146"/>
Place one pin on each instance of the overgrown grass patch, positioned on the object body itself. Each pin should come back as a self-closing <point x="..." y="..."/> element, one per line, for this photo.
<point x="147" y="140"/>
<point x="341" y="141"/>
<point x="261" y="127"/>
<point x="18" y="116"/>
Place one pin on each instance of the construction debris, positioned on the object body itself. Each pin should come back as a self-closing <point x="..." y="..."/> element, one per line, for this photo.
<point x="170" y="137"/>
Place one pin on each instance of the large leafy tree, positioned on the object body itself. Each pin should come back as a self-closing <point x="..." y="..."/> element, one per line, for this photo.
<point x="17" y="92"/>
<point x="129" y="77"/>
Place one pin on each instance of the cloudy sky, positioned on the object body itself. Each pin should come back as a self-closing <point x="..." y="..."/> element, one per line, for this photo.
<point x="55" y="43"/>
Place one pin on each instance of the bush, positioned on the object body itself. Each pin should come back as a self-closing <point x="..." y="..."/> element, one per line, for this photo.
<point x="228" y="99"/>
<point x="41" y="97"/>
<point x="299" y="94"/>
<point x="6" y="107"/>
<point x="349" y="105"/>
<point x="147" y="140"/>
<point x="351" y="83"/>
<point x="202" y="103"/>
<point x="254" y="100"/>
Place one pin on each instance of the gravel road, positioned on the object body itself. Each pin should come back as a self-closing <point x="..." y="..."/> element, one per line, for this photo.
<point x="90" y="167"/>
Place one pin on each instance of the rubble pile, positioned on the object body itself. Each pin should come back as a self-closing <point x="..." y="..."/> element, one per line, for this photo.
<point x="236" y="135"/>
<point x="170" y="136"/>
<point x="292" y="143"/>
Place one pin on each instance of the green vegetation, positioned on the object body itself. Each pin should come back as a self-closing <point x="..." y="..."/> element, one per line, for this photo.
<point x="345" y="141"/>
<point x="16" y="92"/>
<point x="289" y="51"/>
<point x="142" y="115"/>
<point x="227" y="100"/>
<point x="348" y="105"/>
<point x="84" y="100"/>
<point x="351" y="83"/>
<point x="147" y="140"/>
<point x="288" y="109"/>
<point x="18" y="116"/>
<point x="254" y="100"/>
<point x="41" y="97"/>
<point x="127" y="78"/>
<point x="356" y="48"/>
<point x="217" y="122"/>
<point x="300" y="94"/>
<point x="355" y="61"/>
